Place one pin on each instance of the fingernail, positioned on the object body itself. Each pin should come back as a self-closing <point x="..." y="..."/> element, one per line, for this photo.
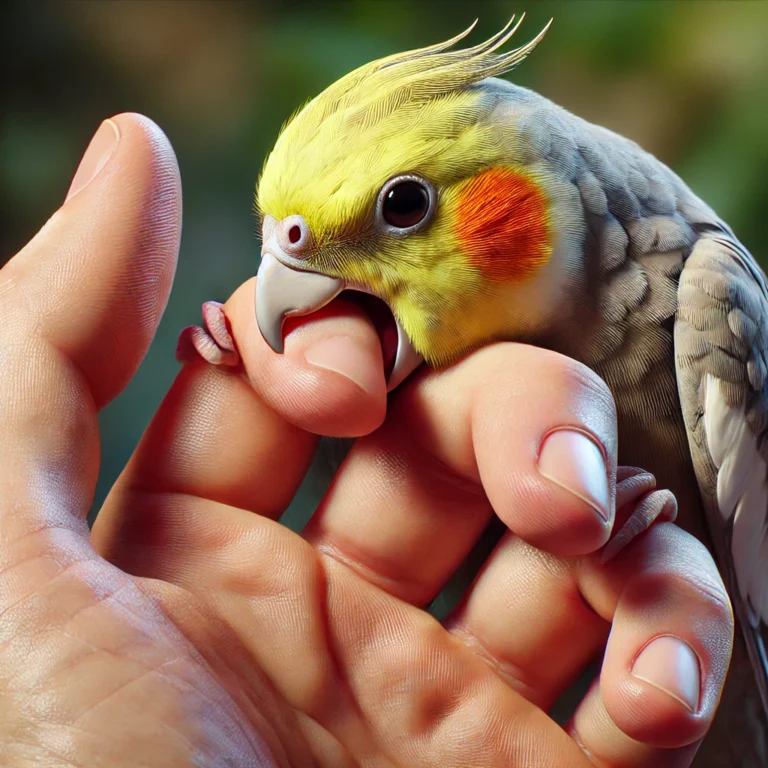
<point x="573" y="460"/>
<point x="97" y="154"/>
<point x="342" y="355"/>
<point x="671" y="665"/>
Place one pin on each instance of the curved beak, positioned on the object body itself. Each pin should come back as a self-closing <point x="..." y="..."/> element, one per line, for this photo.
<point x="285" y="289"/>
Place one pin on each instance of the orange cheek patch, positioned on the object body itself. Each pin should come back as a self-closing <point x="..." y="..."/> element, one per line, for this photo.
<point x="502" y="224"/>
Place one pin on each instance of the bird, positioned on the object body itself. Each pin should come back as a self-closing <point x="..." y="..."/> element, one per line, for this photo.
<point x="477" y="211"/>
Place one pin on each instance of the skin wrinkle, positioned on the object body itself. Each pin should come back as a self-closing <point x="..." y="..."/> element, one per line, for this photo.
<point x="222" y="661"/>
<point x="214" y="703"/>
<point x="103" y="650"/>
<point x="340" y="679"/>
<point x="164" y="726"/>
<point x="125" y="684"/>
<point x="258" y="742"/>
<point x="505" y="668"/>
<point x="94" y="649"/>
<point x="35" y="597"/>
<point x="354" y="561"/>
<point x="378" y="570"/>
<point x="70" y="728"/>
<point x="7" y="573"/>
<point x="48" y="529"/>
<point x="66" y="762"/>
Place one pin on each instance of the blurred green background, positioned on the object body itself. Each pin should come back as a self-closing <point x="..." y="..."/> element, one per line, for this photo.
<point x="686" y="79"/>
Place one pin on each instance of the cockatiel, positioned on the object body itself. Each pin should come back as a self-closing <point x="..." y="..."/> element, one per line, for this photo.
<point x="479" y="211"/>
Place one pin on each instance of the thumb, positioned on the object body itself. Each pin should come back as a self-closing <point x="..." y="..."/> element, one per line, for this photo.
<point x="95" y="279"/>
<point x="80" y="305"/>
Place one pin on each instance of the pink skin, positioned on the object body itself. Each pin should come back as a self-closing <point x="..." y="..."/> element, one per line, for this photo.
<point x="214" y="343"/>
<point x="189" y="622"/>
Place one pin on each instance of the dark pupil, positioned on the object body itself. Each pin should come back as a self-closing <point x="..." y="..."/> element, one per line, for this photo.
<point x="405" y="204"/>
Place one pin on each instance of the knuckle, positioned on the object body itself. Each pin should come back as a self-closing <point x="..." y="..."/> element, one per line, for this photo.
<point x="699" y="599"/>
<point x="584" y="382"/>
<point x="571" y="376"/>
<point x="682" y="558"/>
<point x="538" y="365"/>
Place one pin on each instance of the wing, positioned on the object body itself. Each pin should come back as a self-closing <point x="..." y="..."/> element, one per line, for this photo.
<point x="721" y="347"/>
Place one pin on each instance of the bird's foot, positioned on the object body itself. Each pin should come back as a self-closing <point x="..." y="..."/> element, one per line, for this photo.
<point x="639" y="505"/>
<point x="213" y="342"/>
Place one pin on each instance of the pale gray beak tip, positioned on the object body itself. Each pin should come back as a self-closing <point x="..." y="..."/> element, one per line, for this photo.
<point x="281" y="292"/>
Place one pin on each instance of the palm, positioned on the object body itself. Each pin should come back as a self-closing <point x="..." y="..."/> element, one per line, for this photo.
<point x="310" y="657"/>
<point x="304" y="645"/>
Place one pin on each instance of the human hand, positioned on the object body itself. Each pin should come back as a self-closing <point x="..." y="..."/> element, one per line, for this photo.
<point x="192" y="628"/>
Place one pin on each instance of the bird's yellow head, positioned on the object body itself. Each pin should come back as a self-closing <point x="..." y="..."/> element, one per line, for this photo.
<point x="398" y="181"/>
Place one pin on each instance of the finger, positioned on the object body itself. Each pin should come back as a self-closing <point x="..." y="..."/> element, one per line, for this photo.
<point x="618" y="749"/>
<point x="667" y="654"/>
<point x="81" y="304"/>
<point x="525" y="613"/>
<point x="424" y="697"/>
<point x="212" y="447"/>
<point x="217" y="438"/>
<point x="525" y="616"/>
<point x="330" y="379"/>
<point x="413" y="497"/>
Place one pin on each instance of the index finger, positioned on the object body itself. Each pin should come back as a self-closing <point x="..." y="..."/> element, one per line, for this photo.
<point x="330" y="379"/>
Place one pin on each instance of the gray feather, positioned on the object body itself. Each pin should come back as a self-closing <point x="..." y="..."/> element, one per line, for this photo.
<point x="721" y="338"/>
<point x="672" y="298"/>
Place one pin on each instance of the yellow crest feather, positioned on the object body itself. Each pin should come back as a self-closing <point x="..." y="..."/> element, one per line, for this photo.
<point x="363" y="110"/>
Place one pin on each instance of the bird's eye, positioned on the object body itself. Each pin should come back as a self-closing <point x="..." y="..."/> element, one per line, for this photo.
<point x="405" y="204"/>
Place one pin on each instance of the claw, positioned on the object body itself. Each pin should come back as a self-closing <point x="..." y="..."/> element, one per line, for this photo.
<point x="636" y="487"/>
<point x="214" y="343"/>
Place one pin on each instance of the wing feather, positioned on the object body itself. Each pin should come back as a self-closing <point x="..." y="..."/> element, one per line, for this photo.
<point x="721" y="344"/>
<point x="742" y="493"/>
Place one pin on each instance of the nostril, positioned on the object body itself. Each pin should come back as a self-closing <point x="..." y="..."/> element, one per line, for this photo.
<point x="294" y="236"/>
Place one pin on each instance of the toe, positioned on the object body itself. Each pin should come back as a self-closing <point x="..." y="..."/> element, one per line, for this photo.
<point x="657" y="505"/>
<point x="217" y="326"/>
<point x="196" y="343"/>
